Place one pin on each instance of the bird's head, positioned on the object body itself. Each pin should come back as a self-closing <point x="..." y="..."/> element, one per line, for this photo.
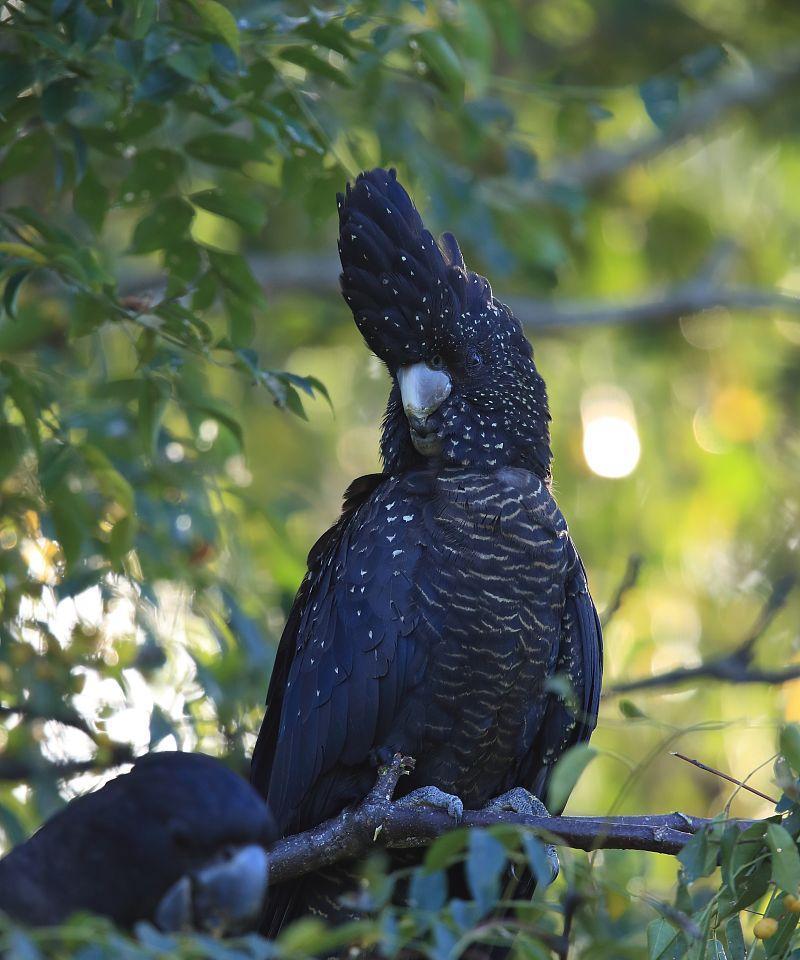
<point x="465" y="388"/>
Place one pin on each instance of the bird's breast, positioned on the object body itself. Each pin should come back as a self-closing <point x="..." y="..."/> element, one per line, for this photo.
<point x="489" y="589"/>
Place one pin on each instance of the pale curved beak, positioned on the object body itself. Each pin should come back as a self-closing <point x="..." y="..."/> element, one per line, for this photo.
<point x="223" y="897"/>
<point x="423" y="390"/>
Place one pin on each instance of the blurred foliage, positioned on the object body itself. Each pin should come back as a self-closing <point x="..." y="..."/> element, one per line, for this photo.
<point x="155" y="507"/>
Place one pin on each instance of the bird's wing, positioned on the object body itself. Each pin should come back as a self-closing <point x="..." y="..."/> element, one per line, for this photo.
<point x="569" y="719"/>
<point x="341" y="670"/>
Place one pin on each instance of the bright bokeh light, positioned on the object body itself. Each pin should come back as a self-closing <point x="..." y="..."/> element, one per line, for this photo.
<point x="610" y="440"/>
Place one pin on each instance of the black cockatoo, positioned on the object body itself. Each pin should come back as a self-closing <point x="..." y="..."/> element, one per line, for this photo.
<point x="439" y="607"/>
<point x="179" y="841"/>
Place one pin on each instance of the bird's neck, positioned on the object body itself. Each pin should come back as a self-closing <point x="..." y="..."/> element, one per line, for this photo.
<point x="400" y="456"/>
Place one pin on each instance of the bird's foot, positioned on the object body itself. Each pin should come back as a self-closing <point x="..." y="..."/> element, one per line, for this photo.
<point x="519" y="800"/>
<point x="523" y="802"/>
<point x="224" y="896"/>
<point x="435" y="799"/>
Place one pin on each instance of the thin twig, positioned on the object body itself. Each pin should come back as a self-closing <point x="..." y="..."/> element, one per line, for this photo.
<point x="718" y="773"/>
<point x="733" y="667"/>
<point x="626" y="584"/>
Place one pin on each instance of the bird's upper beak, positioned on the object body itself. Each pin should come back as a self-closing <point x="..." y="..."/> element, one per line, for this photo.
<point x="423" y="391"/>
<point x="225" y="896"/>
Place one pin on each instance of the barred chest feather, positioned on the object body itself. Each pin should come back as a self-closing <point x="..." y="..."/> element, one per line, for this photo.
<point x="476" y="587"/>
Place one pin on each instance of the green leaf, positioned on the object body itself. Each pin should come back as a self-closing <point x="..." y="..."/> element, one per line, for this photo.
<point x="12" y="447"/>
<point x="315" y="65"/>
<point x="567" y="772"/>
<point x="164" y="227"/>
<point x="25" y="154"/>
<point x="660" y="939"/>
<point x="58" y="98"/>
<point x="12" y="291"/>
<point x="486" y="861"/>
<point x="715" y="950"/>
<point x="153" y="173"/>
<point x="241" y="327"/>
<point x="428" y="890"/>
<point x="15" y="75"/>
<point x="234" y="273"/>
<point x="109" y="480"/>
<point x="699" y="856"/>
<point x="205" y="292"/>
<point x="144" y="14"/>
<point x="219" y="20"/>
<point x="442" y="62"/>
<point x="785" y="858"/>
<point x="735" y="939"/>
<point x="660" y="96"/>
<point x="216" y="411"/>
<point x="629" y="709"/>
<point x="223" y="150"/>
<point x="152" y="404"/>
<point x="444" y="850"/>
<point x="789" y="744"/>
<point x="160" y="84"/>
<point x="293" y="401"/>
<point x="184" y="261"/>
<point x="91" y="200"/>
<point x="238" y="206"/>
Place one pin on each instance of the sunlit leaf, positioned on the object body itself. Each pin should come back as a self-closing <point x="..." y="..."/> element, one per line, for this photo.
<point x="218" y="19"/>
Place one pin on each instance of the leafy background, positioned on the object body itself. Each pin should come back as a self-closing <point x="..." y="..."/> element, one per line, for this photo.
<point x="184" y="397"/>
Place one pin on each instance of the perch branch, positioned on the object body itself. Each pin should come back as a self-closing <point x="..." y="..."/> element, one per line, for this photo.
<point x="379" y="821"/>
<point x="733" y="667"/>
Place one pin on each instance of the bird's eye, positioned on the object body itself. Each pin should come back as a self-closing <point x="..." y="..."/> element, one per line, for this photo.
<point x="474" y="359"/>
<point x="436" y="362"/>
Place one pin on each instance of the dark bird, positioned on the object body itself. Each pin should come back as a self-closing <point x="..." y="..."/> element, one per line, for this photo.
<point x="438" y="609"/>
<point x="179" y="841"/>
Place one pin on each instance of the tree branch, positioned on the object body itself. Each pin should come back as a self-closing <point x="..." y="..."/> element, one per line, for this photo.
<point x="629" y="580"/>
<point x="15" y="771"/>
<point x="318" y="275"/>
<point x="380" y="821"/>
<point x="733" y="667"/>
<point x="747" y="89"/>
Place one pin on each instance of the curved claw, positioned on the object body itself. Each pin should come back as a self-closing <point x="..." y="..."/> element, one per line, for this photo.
<point x="522" y="801"/>
<point x="519" y="800"/>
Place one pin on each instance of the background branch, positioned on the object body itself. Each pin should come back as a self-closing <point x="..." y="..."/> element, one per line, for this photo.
<point x="14" y="770"/>
<point x="733" y="667"/>
<point x="317" y="274"/>
<point x="748" y="89"/>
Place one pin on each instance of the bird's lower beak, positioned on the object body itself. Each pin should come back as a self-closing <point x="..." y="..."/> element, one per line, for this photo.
<point x="225" y="896"/>
<point x="423" y="391"/>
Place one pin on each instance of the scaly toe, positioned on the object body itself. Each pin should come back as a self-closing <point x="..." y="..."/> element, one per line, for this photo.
<point x="523" y="802"/>
<point x="519" y="800"/>
<point x="436" y="799"/>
